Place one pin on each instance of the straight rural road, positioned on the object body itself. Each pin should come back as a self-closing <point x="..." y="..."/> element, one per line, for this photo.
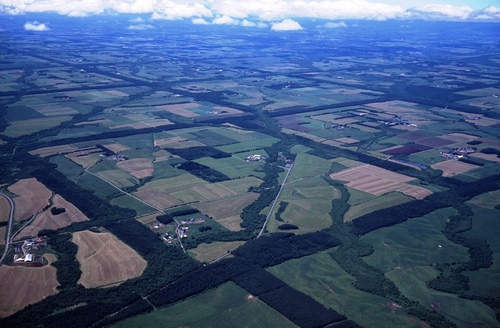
<point x="274" y="202"/>
<point x="9" y="228"/>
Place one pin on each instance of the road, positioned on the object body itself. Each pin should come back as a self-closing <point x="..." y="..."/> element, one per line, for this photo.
<point x="9" y="228"/>
<point x="274" y="202"/>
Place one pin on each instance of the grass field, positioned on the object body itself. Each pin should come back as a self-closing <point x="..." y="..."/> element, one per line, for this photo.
<point x="416" y="242"/>
<point x="226" y="306"/>
<point x="156" y="198"/>
<point x="384" y="201"/>
<point x="53" y="222"/>
<point x="306" y="165"/>
<point x="137" y="167"/>
<point x="22" y="286"/>
<point x="208" y="252"/>
<point x="451" y="168"/>
<point x="105" y="260"/>
<point x="33" y="196"/>
<point x="3" y="231"/>
<point x="239" y="186"/>
<point x="310" y="202"/>
<point x="49" y="151"/>
<point x="21" y="128"/>
<point x="232" y="167"/>
<point x="487" y="200"/>
<point x="70" y="169"/>
<point x="462" y="312"/>
<point x="320" y="277"/>
<point x="126" y="201"/>
<point x="227" y="211"/>
<point x="100" y="188"/>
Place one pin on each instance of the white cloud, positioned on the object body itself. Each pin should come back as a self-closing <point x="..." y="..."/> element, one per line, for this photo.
<point x="286" y="25"/>
<point x="248" y="23"/>
<point x="140" y="27"/>
<point x="36" y="26"/>
<point x="335" y="24"/>
<point x="137" y="20"/>
<point x="199" y="21"/>
<point x="246" y="12"/>
<point x="225" y="20"/>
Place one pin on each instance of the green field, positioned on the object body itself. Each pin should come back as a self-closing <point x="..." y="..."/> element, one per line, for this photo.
<point x="310" y="202"/>
<point x="100" y="188"/>
<point x="225" y="306"/>
<point x="320" y="277"/>
<point x="232" y="167"/>
<point x="384" y="201"/>
<point x="67" y="167"/>
<point x="462" y="312"/>
<point x="306" y="165"/>
<point x="416" y="242"/>
<point x="239" y="186"/>
<point x="126" y="201"/>
<point x="248" y="145"/>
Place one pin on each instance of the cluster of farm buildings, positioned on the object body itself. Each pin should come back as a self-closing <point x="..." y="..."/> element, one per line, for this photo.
<point x="24" y="254"/>
<point x="458" y="153"/>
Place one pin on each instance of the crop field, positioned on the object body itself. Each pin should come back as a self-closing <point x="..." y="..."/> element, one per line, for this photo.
<point x="157" y="198"/>
<point x="33" y="197"/>
<point x="224" y="307"/>
<point x="378" y="181"/>
<point x="463" y="312"/>
<point x="231" y="166"/>
<point x="416" y="242"/>
<point x="25" y="127"/>
<point x="3" y="231"/>
<point x="126" y="201"/>
<point x="100" y="188"/>
<point x="174" y="184"/>
<point x="49" y="151"/>
<point x="309" y="205"/>
<point x="227" y="211"/>
<point x="46" y="220"/>
<point x="22" y="286"/>
<point x="105" y="260"/>
<point x="208" y="252"/>
<point x="451" y="167"/>
<point x="116" y="147"/>
<point x="4" y="209"/>
<point x="487" y="200"/>
<point x="306" y="165"/>
<point x="320" y="277"/>
<point x="384" y="201"/>
<point x="138" y="167"/>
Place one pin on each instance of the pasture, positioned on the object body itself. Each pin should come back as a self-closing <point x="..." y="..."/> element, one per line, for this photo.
<point x="310" y="202"/>
<point x="157" y="198"/>
<point x="126" y="201"/>
<point x="4" y="209"/>
<point x="105" y="260"/>
<point x="3" y="231"/>
<point x="29" y="126"/>
<point x="383" y="201"/>
<point x="416" y="242"/>
<point x="320" y="277"/>
<point x="306" y="165"/>
<point x="464" y="313"/>
<point x="46" y="220"/>
<point x="378" y="181"/>
<point x="227" y="211"/>
<point x="33" y="197"/>
<point x="224" y="307"/>
<point x="208" y="252"/>
<point x="22" y="286"/>
<point x="451" y="167"/>
<point x="487" y="200"/>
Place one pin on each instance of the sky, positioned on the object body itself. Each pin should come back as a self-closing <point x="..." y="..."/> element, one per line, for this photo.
<point x="279" y="15"/>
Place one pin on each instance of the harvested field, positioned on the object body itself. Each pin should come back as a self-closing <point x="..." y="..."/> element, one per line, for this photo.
<point x="180" y="109"/>
<point x="53" y="222"/>
<point x="33" y="197"/>
<point x="4" y="209"/>
<point x="378" y="181"/>
<point x="116" y="147"/>
<point x="157" y="198"/>
<point x="3" y="230"/>
<point x="330" y="118"/>
<point x="49" y="151"/>
<point x="105" y="260"/>
<point x="227" y="211"/>
<point x="484" y="121"/>
<point x="168" y="141"/>
<point x="488" y="157"/>
<point x="138" y="167"/>
<point x="86" y="160"/>
<point x="56" y="111"/>
<point x="305" y="135"/>
<point x="459" y="137"/>
<point x="347" y="140"/>
<point x="22" y="286"/>
<point x="209" y="252"/>
<point x="451" y="167"/>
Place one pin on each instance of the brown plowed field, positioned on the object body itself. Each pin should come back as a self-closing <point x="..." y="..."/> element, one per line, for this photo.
<point x="33" y="197"/>
<point x="378" y="181"/>
<point x="138" y="167"/>
<point x="22" y="286"/>
<point x="53" y="222"/>
<point x="4" y="209"/>
<point x="227" y="211"/>
<point x="105" y="260"/>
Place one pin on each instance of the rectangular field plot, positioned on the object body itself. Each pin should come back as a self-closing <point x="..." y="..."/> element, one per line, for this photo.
<point x="384" y="201"/>
<point x="157" y="198"/>
<point x="232" y="167"/>
<point x="21" y="128"/>
<point x="306" y="165"/>
<point x="239" y="186"/>
<point x="248" y="145"/>
<point x="225" y="306"/>
<point x="378" y="181"/>
<point x="208" y="252"/>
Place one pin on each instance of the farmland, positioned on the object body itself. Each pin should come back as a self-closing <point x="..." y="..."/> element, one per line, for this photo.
<point x="23" y="286"/>
<point x="352" y="173"/>
<point x="105" y="261"/>
<point x="33" y="197"/>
